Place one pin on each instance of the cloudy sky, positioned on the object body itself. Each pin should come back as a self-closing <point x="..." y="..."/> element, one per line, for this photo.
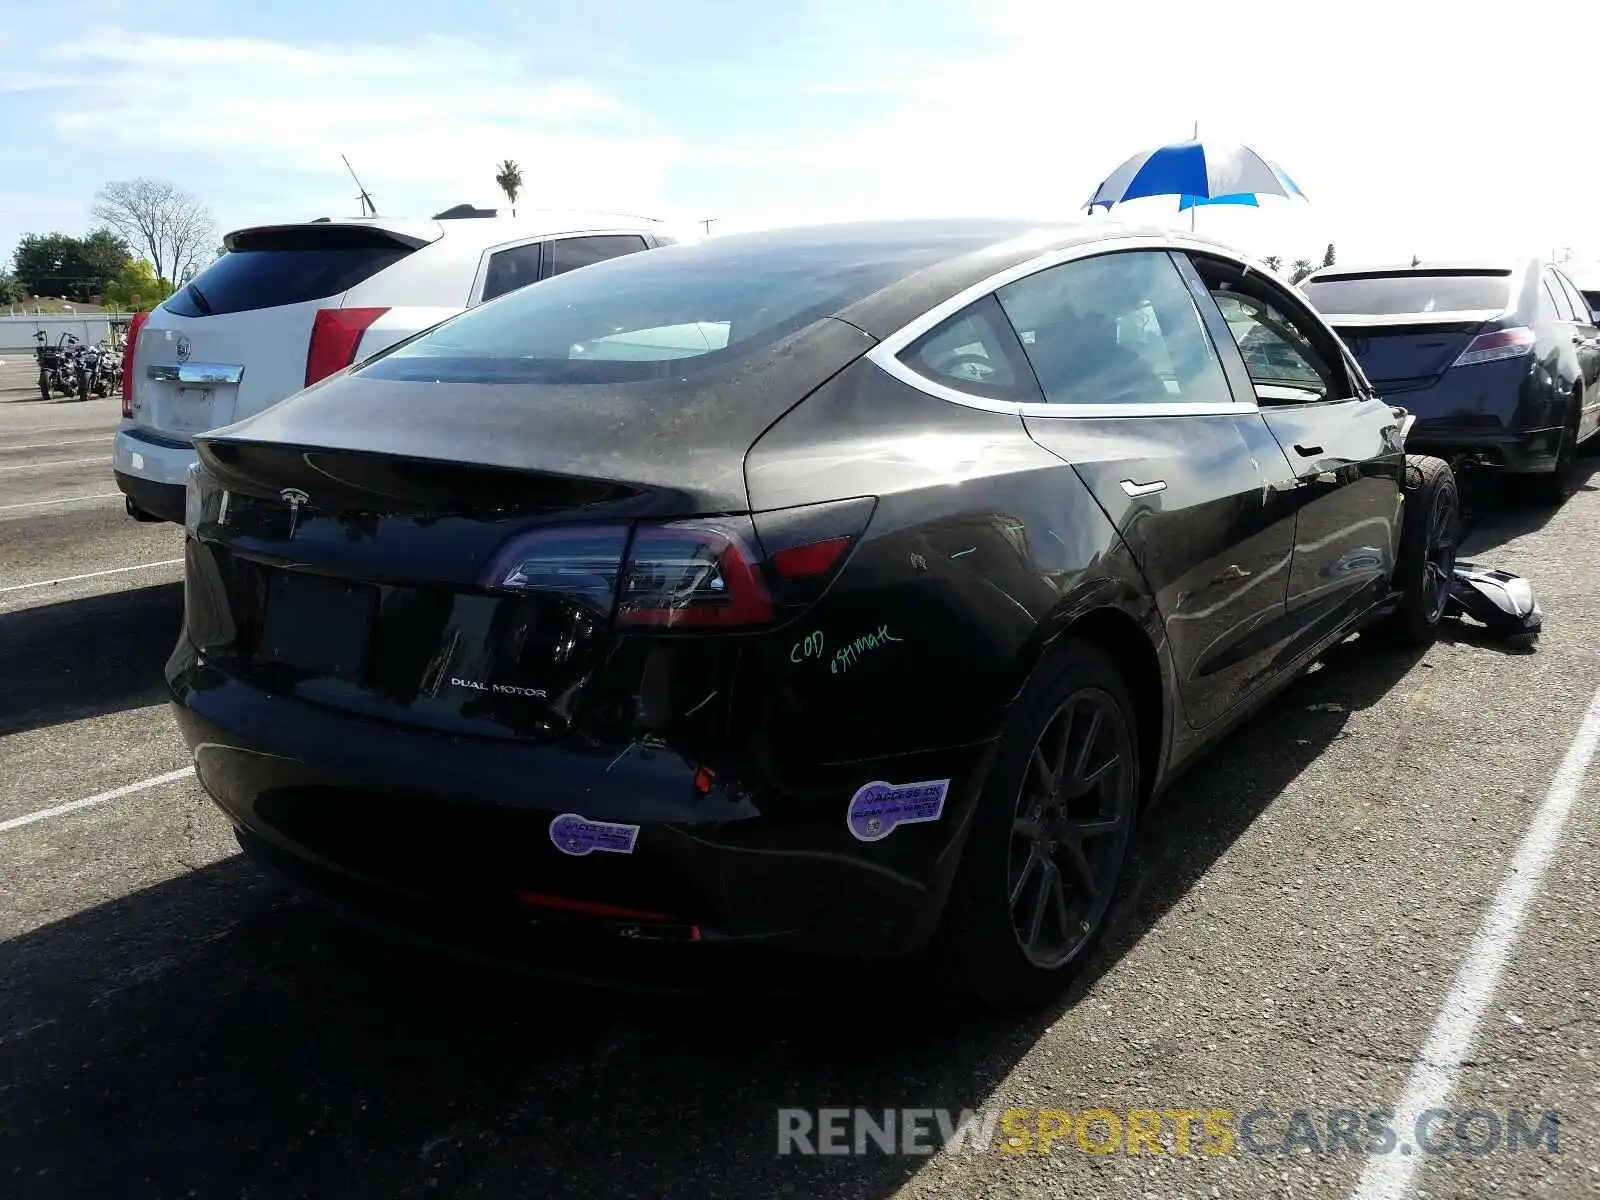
<point x="1412" y="126"/>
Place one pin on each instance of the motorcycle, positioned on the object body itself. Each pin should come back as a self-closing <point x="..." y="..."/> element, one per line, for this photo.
<point x="97" y="370"/>
<point x="57" y="364"/>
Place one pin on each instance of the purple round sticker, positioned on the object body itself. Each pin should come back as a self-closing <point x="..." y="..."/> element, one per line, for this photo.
<point x="577" y="835"/>
<point x="878" y="807"/>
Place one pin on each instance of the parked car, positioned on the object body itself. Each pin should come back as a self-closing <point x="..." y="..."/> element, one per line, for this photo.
<point x="845" y="589"/>
<point x="1500" y="362"/>
<point x="291" y="304"/>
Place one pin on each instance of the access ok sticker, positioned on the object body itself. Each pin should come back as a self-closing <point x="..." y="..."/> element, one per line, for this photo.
<point x="878" y="807"/>
<point x="577" y="835"/>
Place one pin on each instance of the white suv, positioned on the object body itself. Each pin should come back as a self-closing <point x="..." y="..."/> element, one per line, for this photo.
<point x="289" y="305"/>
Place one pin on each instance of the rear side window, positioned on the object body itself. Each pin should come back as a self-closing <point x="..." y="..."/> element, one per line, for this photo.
<point x="1409" y="292"/>
<point x="511" y="269"/>
<point x="271" y="268"/>
<point x="568" y="254"/>
<point x="1580" y="304"/>
<point x="1558" y="298"/>
<point x="1592" y="298"/>
<point x="1116" y="329"/>
<point x="975" y="351"/>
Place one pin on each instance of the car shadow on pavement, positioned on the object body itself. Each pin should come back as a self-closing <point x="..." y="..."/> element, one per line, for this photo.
<point x="86" y="657"/>
<point x="210" y="1036"/>
<point x="1497" y="510"/>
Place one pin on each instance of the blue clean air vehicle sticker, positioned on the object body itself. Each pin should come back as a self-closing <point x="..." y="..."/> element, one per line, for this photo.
<point x="578" y="836"/>
<point x="878" y="807"/>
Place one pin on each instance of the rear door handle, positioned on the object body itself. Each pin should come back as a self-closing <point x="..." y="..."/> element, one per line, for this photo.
<point x="1144" y="489"/>
<point x="1306" y="451"/>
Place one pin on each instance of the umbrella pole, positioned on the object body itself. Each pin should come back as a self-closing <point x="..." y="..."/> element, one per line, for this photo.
<point x="1194" y="208"/>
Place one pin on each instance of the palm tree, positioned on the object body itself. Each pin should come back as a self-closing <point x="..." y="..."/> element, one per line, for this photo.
<point x="1274" y="263"/>
<point x="510" y="181"/>
<point x="1302" y="268"/>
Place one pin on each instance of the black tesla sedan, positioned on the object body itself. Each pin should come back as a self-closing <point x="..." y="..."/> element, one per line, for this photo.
<point x="845" y="589"/>
<point x="1498" y="362"/>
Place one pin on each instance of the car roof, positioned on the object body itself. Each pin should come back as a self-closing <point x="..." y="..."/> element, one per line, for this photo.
<point x="941" y="256"/>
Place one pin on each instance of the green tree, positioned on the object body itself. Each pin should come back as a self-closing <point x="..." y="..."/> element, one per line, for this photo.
<point x="137" y="287"/>
<point x="509" y="181"/>
<point x="1302" y="268"/>
<point x="1328" y="256"/>
<point x="104" y="255"/>
<point x="11" y="289"/>
<point x="1273" y="262"/>
<point x="58" y="264"/>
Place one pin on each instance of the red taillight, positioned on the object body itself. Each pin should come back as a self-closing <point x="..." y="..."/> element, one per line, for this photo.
<point x="713" y="573"/>
<point x="1492" y="347"/>
<point x="679" y="574"/>
<point x="134" y="326"/>
<point x="335" y="337"/>
<point x="693" y="573"/>
<point x="817" y="558"/>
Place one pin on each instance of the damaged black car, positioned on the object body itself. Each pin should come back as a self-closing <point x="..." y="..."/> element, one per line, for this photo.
<point x="848" y="590"/>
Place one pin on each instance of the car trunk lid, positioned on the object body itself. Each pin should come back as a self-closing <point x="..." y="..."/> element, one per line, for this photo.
<point x="1400" y="353"/>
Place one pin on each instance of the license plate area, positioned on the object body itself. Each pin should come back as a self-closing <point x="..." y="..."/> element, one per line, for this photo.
<point x="320" y="626"/>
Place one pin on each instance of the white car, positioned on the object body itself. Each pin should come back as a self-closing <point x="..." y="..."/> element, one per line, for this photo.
<point x="289" y="305"/>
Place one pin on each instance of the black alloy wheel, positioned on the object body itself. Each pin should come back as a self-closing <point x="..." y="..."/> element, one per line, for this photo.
<point x="1068" y="837"/>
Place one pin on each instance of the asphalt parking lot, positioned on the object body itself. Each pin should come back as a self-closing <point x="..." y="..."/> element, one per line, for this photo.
<point x="173" y="1024"/>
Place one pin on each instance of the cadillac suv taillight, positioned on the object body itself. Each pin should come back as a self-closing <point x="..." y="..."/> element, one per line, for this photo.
<point x="135" y="324"/>
<point x="335" y="338"/>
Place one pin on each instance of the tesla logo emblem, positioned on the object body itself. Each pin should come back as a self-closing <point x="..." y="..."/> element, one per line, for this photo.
<point x="295" y="498"/>
<point x="183" y="348"/>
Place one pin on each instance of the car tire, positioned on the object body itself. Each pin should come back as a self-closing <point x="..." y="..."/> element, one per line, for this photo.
<point x="1553" y="490"/>
<point x="1053" y="816"/>
<point x="1430" y="527"/>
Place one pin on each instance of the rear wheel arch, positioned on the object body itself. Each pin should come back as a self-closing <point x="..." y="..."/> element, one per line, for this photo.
<point x="1120" y="636"/>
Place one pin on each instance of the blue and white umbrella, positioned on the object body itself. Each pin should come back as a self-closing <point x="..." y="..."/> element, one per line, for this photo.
<point x="1217" y="172"/>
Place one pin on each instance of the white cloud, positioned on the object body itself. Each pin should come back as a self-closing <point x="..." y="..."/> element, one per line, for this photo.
<point x="1409" y="130"/>
<point x="429" y="117"/>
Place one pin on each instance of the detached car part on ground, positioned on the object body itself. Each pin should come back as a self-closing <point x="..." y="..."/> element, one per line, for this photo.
<point x="1499" y="362"/>
<point x="849" y="590"/>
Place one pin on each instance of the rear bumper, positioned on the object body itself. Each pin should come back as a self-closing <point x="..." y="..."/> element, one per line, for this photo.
<point x="448" y="838"/>
<point x="1517" y="452"/>
<point x="151" y="473"/>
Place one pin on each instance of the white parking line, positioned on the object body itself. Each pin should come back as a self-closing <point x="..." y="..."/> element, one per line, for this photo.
<point x="44" y="814"/>
<point x="58" y="462"/>
<point x="22" y="587"/>
<point x="1455" y="1027"/>
<point x="104" y="437"/>
<point x="63" y="500"/>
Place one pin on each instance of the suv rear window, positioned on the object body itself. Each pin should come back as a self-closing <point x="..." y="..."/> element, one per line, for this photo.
<point x="660" y="314"/>
<point x="1409" y="292"/>
<point x="269" y="268"/>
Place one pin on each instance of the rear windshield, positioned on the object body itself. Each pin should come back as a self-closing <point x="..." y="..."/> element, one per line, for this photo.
<point x="1591" y="296"/>
<point x="667" y="312"/>
<point x="1410" y="292"/>
<point x="286" y="267"/>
